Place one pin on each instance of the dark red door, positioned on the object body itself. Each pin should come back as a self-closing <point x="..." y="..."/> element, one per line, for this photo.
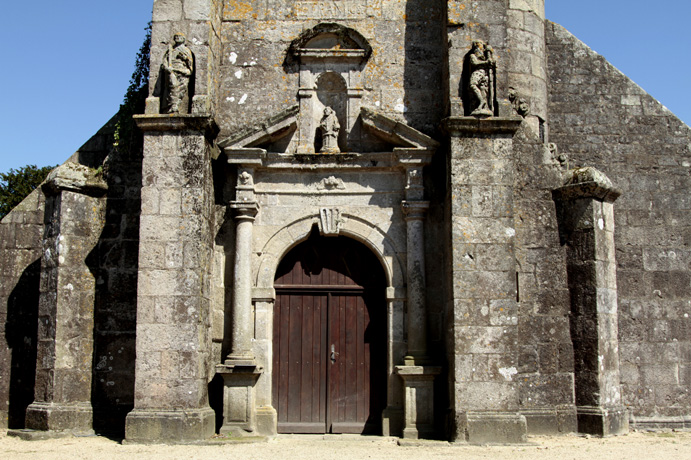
<point x="329" y="366"/>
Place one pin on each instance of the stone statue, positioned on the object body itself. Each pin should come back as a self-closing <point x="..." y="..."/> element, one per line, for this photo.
<point x="177" y="66"/>
<point x="520" y="105"/>
<point x="482" y="74"/>
<point x="330" y="128"/>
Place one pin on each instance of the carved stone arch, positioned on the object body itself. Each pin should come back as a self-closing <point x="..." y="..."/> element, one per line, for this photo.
<point x="281" y="242"/>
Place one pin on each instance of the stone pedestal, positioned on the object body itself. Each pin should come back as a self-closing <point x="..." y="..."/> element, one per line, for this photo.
<point x="74" y="217"/>
<point x="483" y="269"/>
<point x="239" y="418"/>
<point x="418" y="381"/>
<point x="586" y="225"/>
<point x="173" y="292"/>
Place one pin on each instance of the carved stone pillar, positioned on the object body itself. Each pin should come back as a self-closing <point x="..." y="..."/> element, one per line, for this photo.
<point x="173" y="292"/>
<point x="74" y="216"/>
<point x="586" y="222"/>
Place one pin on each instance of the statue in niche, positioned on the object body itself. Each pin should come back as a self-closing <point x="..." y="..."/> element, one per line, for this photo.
<point x="177" y="67"/>
<point x="482" y="75"/>
<point x="329" y="127"/>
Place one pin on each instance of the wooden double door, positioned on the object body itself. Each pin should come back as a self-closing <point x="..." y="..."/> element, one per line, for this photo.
<point x="329" y="343"/>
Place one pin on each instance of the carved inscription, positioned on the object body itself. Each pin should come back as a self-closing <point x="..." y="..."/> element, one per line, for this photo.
<point x="338" y="9"/>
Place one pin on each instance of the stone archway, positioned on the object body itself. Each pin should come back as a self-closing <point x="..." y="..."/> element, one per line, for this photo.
<point x="329" y="338"/>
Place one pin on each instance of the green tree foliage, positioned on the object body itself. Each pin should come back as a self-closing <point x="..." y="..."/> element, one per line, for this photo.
<point x="135" y="98"/>
<point x="15" y="185"/>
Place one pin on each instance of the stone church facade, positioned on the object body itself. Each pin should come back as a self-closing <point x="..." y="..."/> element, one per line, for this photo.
<point x="414" y="218"/>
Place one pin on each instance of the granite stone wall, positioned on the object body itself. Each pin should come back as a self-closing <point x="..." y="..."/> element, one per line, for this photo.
<point x="545" y="359"/>
<point x="113" y="264"/>
<point x="601" y="118"/>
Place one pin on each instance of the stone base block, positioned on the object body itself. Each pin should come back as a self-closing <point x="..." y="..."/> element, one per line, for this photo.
<point x="418" y="381"/>
<point x="169" y="426"/>
<point x="599" y="421"/>
<point x="392" y="421"/>
<point x="493" y="428"/>
<point x="267" y="421"/>
<point x="77" y="418"/>
<point x="551" y="421"/>
<point x="239" y="410"/>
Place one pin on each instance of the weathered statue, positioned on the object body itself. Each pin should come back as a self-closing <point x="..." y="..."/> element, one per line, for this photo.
<point x="482" y="74"/>
<point x="520" y="105"/>
<point x="330" y="128"/>
<point x="177" y="66"/>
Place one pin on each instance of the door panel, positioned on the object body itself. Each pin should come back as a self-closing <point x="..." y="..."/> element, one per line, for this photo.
<point x="329" y="297"/>
<point x="299" y="362"/>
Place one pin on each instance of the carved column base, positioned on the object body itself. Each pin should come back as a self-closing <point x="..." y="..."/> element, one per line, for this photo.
<point x="45" y="416"/>
<point x="492" y="427"/>
<point x="169" y="426"/>
<point x="239" y="412"/>
<point x="599" y="421"/>
<point x="418" y="420"/>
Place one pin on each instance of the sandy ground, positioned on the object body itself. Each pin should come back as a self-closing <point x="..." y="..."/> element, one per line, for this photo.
<point x="637" y="445"/>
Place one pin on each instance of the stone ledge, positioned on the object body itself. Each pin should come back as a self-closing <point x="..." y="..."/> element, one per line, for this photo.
<point x="178" y="122"/>
<point x="470" y="126"/>
<point x="39" y="435"/>
<point x="660" y="423"/>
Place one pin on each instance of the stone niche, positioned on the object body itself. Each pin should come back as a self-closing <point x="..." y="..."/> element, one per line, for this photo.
<point x="330" y="59"/>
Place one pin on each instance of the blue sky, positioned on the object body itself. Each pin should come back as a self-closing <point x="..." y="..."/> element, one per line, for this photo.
<point x="67" y="63"/>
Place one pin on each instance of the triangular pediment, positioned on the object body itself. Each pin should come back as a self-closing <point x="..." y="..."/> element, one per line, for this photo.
<point x="265" y="132"/>
<point x="394" y="132"/>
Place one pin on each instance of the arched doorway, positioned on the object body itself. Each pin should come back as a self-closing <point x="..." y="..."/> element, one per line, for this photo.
<point x="329" y="338"/>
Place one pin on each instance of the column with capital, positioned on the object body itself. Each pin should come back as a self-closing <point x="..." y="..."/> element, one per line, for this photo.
<point x="240" y="370"/>
<point x="417" y="373"/>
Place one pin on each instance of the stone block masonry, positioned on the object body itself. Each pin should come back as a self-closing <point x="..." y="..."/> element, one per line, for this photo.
<point x="173" y="294"/>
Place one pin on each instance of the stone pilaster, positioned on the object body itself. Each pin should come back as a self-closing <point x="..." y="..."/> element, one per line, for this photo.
<point x="173" y="298"/>
<point x="586" y="220"/>
<point x="483" y="271"/>
<point x="74" y="217"/>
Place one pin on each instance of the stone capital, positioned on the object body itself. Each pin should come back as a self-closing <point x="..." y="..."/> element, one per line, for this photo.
<point x="244" y="210"/>
<point x="587" y="183"/>
<point x="77" y="178"/>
